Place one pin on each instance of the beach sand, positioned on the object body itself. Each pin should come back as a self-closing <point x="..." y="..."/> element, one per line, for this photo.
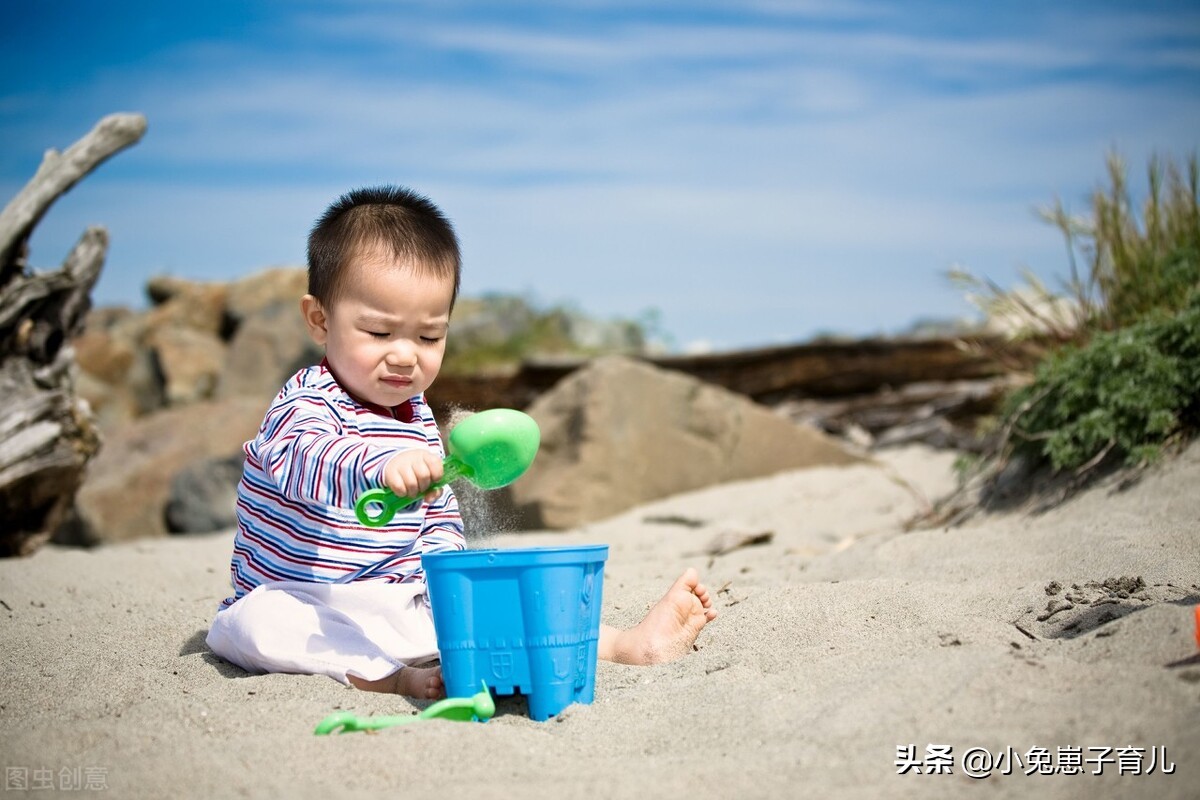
<point x="841" y="641"/>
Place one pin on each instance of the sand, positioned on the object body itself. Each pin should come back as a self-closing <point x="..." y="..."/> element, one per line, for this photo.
<point x="841" y="641"/>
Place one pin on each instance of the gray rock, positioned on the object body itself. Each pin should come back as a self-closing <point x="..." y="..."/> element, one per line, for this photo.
<point x="203" y="495"/>
<point x="268" y="348"/>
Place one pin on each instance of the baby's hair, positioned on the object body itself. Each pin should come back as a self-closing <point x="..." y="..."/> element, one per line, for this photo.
<point x="403" y="223"/>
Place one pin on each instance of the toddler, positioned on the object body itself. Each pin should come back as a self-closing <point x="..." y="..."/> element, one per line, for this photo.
<point x="315" y="592"/>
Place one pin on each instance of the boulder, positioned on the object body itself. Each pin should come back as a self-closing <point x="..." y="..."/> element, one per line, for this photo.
<point x="127" y="486"/>
<point x="190" y="362"/>
<point x="203" y="495"/>
<point x="620" y="432"/>
<point x="269" y="346"/>
<point x="181" y="303"/>
<point x="105" y="347"/>
<point x="117" y="376"/>
<point x="185" y="335"/>
<point x="198" y="342"/>
<point x="262" y="290"/>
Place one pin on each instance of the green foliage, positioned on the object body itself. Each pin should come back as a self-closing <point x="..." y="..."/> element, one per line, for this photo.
<point x="1135" y="264"/>
<point x="1120" y="370"/>
<point x="1124" y="392"/>
<point x="965" y="464"/>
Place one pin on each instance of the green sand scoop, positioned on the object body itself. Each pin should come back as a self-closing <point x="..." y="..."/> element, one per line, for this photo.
<point x="491" y="449"/>
<point x="480" y="707"/>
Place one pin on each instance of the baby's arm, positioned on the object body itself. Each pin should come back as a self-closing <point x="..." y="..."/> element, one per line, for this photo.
<point x="305" y="450"/>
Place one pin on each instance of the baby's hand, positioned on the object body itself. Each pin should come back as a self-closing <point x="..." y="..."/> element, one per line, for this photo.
<point x="410" y="472"/>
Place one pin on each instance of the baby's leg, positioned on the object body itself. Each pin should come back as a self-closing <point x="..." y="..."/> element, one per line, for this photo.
<point x="668" y="630"/>
<point x="361" y="634"/>
<point x="421" y="682"/>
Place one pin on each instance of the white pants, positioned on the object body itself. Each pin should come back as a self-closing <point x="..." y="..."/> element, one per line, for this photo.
<point x="368" y="629"/>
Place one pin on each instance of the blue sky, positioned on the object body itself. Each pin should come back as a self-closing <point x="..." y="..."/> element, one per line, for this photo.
<point x="757" y="171"/>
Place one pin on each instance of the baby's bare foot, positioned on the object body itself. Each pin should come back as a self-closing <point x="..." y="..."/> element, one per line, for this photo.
<point x="670" y="628"/>
<point x="421" y="682"/>
<point x="424" y="683"/>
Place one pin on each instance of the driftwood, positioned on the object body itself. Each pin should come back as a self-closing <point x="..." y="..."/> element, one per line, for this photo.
<point x="839" y="368"/>
<point x="847" y="379"/>
<point x="939" y="413"/>
<point x="46" y="433"/>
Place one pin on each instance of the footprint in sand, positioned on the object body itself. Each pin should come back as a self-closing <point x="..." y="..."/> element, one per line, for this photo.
<point x="1074" y="610"/>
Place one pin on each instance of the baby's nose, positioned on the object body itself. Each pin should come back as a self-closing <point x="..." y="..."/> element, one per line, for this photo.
<point x="402" y="354"/>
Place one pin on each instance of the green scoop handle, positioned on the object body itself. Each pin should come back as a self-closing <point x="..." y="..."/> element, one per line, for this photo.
<point x="384" y="502"/>
<point x="479" y="706"/>
<point x="491" y="449"/>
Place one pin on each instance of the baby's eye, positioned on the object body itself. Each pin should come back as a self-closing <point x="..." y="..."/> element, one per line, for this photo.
<point x="377" y="334"/>
<point x="431" y="339"/>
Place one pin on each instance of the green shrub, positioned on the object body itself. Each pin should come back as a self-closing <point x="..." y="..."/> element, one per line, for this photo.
<point x="1119" y="370"/>
<point x="1124" y="392"/>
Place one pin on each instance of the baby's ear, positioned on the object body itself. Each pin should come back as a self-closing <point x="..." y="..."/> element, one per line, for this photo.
<point x="315" y="318"/>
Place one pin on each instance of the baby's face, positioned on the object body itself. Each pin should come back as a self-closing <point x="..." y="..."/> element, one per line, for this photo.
<point x="385" y="335"/>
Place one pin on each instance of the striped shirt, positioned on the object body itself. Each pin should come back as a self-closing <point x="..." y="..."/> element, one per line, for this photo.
<point x="318" y="449"/>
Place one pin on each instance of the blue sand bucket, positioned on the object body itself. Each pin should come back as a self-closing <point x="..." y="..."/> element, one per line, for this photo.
<point x="523" y="620"/>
